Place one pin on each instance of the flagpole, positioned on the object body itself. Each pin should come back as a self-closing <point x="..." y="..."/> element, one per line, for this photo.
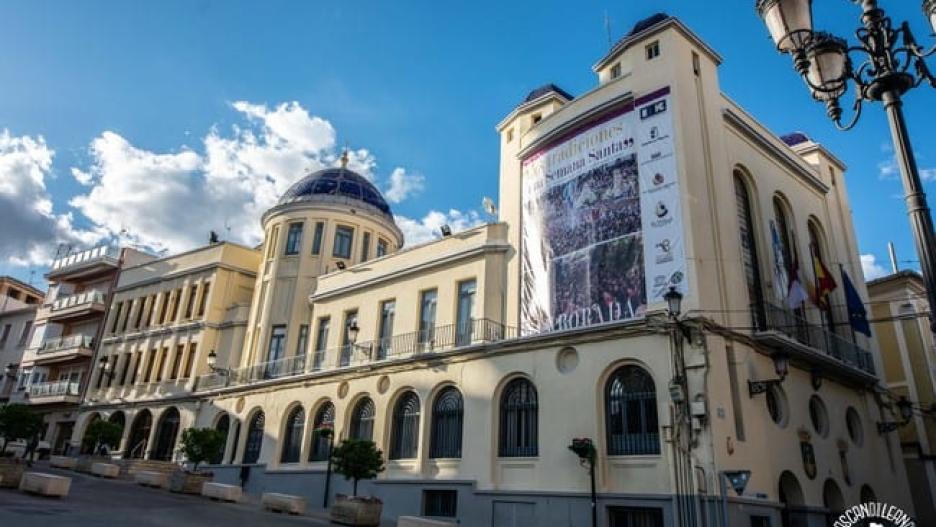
<point x="850" y="325"/>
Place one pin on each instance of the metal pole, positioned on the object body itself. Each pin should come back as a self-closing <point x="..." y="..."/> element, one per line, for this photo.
<point x="328" y="471"/>
<point x="594" y="496"/>
<point x="921" y="222"/>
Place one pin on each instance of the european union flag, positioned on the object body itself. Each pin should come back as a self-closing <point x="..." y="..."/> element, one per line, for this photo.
<point x="857" y="314"/>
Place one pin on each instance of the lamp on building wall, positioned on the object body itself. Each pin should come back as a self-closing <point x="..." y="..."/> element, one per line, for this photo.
<point x="905" y="410"/>
<point x="781" y="368"/>
<point x="353" y="332"/>
<point x="889" y="62"/>
<point x="10" y="370"/>
<point x="673" y="302"/>
<point x="213" y="364"/>
<point x="340" y="265"/>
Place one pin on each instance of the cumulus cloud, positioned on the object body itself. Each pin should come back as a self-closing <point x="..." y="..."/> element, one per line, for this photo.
<point x="417" y="231"/>
<point x="30" y="230"/>
<point x="871" y="268"/>
<point x="403" y="185"/>
<point x="888" y="169"/>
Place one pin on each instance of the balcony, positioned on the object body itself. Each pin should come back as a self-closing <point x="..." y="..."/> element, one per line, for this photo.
<point x="54" y="392"/>
<point x="60" y="349"/>
<point x="789" y="333"/>
<point x="85" y="263"/>
<point x="77" y="306"/>
<point x="400" y="347"/>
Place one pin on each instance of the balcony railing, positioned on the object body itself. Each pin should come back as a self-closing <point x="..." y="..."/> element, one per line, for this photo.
<point x="54" y="389"/>
<point x="790" y="324"/>
<point x="85" y="257"/>
<point x="52" y="345"/>
<point x="88" y="297"/>
<point x="439" y="338"/>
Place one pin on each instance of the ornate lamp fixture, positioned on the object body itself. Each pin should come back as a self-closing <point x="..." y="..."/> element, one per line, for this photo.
<point x="781" y="367"/>
<point x="213" y="362"/>
<point x="905" y="409"/>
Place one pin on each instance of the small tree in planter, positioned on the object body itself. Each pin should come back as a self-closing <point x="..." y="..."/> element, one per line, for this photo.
<point x="357" y="459"/>
<point x="17" y="421"/>
<point x="198" y="445"/>
<point x="102" y="433"/>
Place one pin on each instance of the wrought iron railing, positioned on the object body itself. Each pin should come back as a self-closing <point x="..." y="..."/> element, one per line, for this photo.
<point x="88" y="297"/>
<point x="97" y="253"/>
<point x="827" y="342"/>
<point x="52" y="345"/>
<point x="440" y="338"/>
<point x="55" y="388"/>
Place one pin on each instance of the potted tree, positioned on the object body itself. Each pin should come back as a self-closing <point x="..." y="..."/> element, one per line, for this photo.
<point x="198" y="445"/>
<point x="17" y="421"/>
<point x="357" y="459"/>
<point x="100" y="437"/>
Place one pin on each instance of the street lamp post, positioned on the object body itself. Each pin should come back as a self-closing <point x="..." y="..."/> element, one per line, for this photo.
<point x="891" y="63"/>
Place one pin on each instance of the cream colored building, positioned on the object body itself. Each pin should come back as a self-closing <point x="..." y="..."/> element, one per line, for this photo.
<point x="898" y="307"/>
<point x="421" y="348"/>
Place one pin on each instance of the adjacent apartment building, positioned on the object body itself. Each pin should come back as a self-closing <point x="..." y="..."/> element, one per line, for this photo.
<point x="18" y="305"/>
<point x="641" y="288"/>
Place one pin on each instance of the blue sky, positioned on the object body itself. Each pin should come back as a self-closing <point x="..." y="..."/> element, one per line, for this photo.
<point x="149" y="104"/>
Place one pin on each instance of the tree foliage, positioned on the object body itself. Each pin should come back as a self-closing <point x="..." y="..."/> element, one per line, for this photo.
<point x="18" y="421"/>
<point x="357" y="459"/>
<point x="102" y="432"/>
<point x="200" y="445"/>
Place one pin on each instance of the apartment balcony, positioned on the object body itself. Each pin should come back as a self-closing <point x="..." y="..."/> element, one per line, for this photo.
<point x="61" y="349"/>
<point x="451" y="337"/>
<point x="54" y="392"/>
<point x="787" y="332"/>
<point x="84" y="264"/>
<point x="81" y="305"/>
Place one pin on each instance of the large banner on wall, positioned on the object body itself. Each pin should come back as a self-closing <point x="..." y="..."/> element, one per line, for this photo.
<point x="602" y="232"/>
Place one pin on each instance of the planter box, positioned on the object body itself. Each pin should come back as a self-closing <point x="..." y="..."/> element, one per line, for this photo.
<point x="352" y="510"/>
<point x="415" y="521"/>
<point x="84" y="464"/>
<point x="277" y="502"/>
<point x="188" y="483"/>
<point x="63" y="462"/>
<point x="220" y="491"/>
<point x="45" y="484"/>
<point x="105" y="470"/>
<point x="149" y="478"/>
<point x="11" y="472"/>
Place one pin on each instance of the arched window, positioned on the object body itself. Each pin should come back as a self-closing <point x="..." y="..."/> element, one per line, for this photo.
<point x="223" y="426"/>
<point x="631" y="413"/>
<point x="324" y="418"/>
<point x="404" y="438"/>
<point x="818" y="264"/>
<point x="254" y="438"/>
<point x="446" y="435"/>
<point x="362" y="420"/>
<point x="518" y="420"/>
<point x="749" y="257"/>
<point x="139" y="435"/>
<point x="292" y="436"/>
<point x="166" y="435"/>
<point x="794" y="326"/>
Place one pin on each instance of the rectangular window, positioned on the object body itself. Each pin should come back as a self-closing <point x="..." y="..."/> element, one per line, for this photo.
<point x="150" y="309"/>
<point x="163" y="357"/>
<point x="148" y="372"/>
<point x="271" y="242"/>
<point x="128" y="358"/>
<point x="163" y="300"/>
<point x="616" y="71"/>
<point x="293" y="238"/>
<point x="631" y="516"/>
<point x="189" y="361"/>
<point x="126" y="319"/>
<point x="112" y="370"/>
<point x="277" y="342"/>
<point x="427" y="316"/>
<point x="204" y="299"/>
<point x="137" y="364"/>
<point x="321" y="341"/>
<point x="440" y="503"/>
<point x="466" y="296"/>
<point x="303" y="341"/>
<point x="190" y="302"/>
<point x="344" y="237"/>
<point x="138" y="320"/>
<point x="116" y="320"/>
<point x="346" y="348"/>
<point x="510" y="135"/>
<point x="174" y="308"/>
<point x="382" y="247"/>
<point x="365" y="247"/>
<point x="24" y="336"/>
<point x="387" y="314"/>
<point x="653" y="50"/>
<point x="317" y="238"/>
<point x="177" y="362"/>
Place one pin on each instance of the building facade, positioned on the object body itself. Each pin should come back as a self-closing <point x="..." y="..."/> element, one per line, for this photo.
<point x="15" y="294"/>
<point x="473" y="361"/>
<point x="16" y="328"/>
<point x="899" y="308"/>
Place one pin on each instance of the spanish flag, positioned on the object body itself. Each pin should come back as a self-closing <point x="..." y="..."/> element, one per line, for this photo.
<point x="825" y="284"/>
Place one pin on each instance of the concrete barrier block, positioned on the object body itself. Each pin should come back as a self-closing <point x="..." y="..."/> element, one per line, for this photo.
<point x="277" y="502"/>
<point x="415" y="521"/>
<point x="105" y="470"/>
<point x="45" y="484"/>
<point x="221" y="491"/>
<point x="148" y="478"/>
<point x="63" y="462"/>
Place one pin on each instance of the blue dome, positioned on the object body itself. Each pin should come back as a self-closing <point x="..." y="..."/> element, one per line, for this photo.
<point x="335" y="182"/>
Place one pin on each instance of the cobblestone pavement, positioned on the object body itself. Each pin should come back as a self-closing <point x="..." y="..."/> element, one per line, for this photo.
<point x="94" y="502"/>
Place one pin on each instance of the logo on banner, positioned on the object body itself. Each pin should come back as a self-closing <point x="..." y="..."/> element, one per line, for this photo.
<point x="652" y="109"/>
<point x="664" y="252"/>
<point x="658" y="179"/>
<point x="874" y="514"/>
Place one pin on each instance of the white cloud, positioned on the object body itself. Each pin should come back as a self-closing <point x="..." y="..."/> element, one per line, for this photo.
<point x="871" y="268"/>
<point x="403" y="185"/>
<point x="888" y="169"/>
<point x="29" y="230"/>
<point x="427" y="228"/>
<point x="82" y="177"/>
